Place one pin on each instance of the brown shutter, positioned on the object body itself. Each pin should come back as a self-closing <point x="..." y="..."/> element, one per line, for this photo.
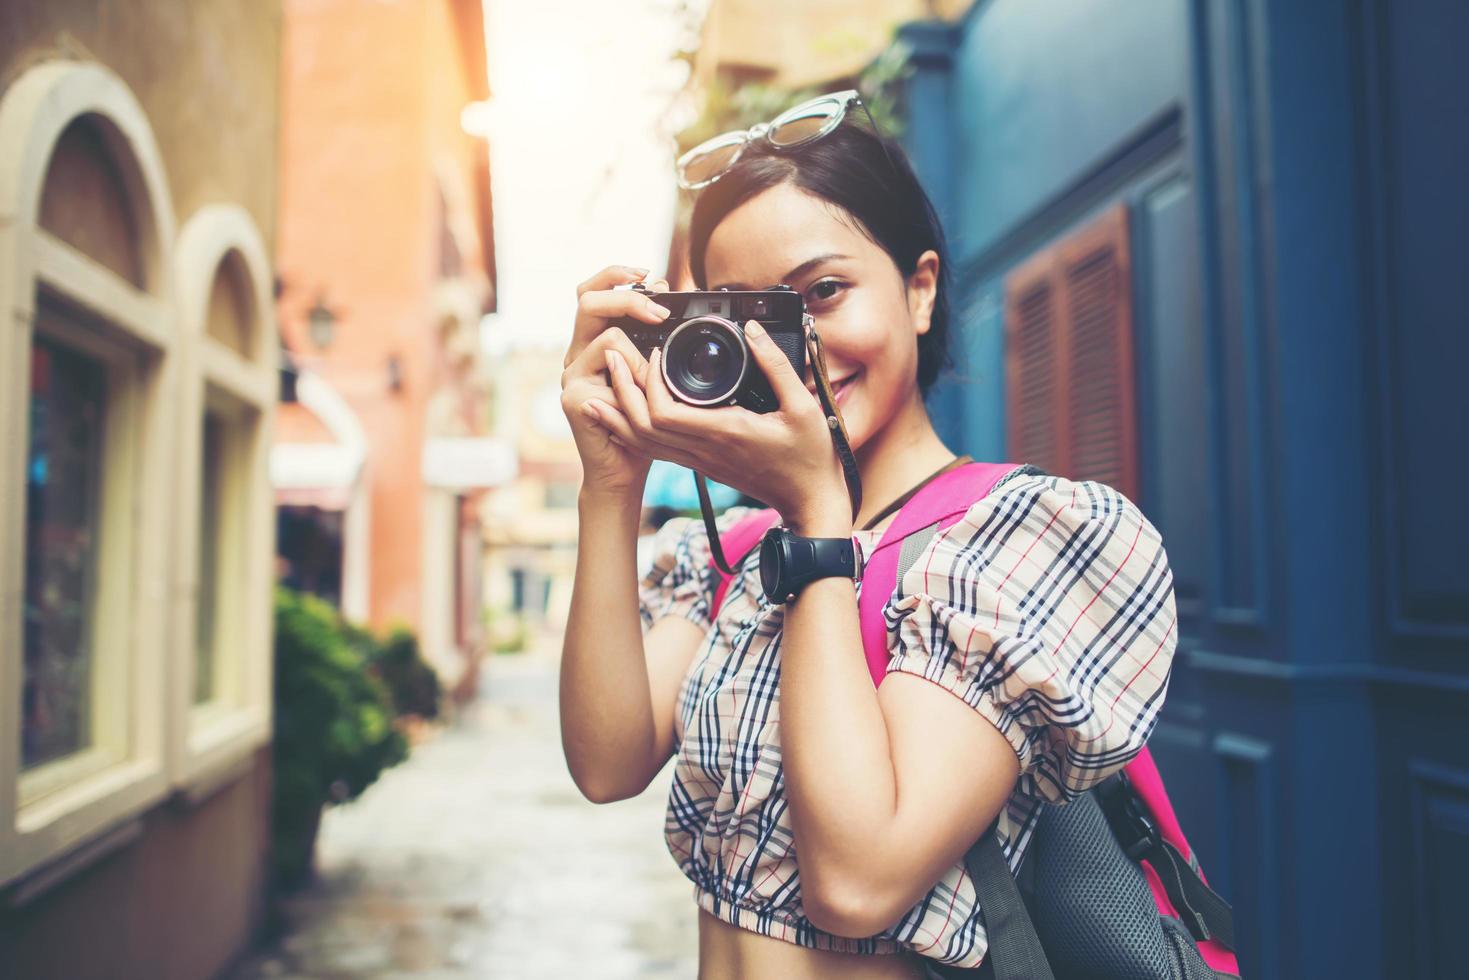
<point x="1035" y="365"/>
<point x="1071" y="401"/>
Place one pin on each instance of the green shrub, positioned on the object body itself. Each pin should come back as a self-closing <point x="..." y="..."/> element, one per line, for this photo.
<point x="333" y="726"/>
<point x="399" y="664"/>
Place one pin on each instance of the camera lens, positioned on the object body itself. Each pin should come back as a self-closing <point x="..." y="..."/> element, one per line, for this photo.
<point x="704" y="360"/>
<point x="708" y="362"/>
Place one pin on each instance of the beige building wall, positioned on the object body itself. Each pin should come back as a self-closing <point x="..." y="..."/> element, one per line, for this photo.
<point x="196" y="66"/>
<point x="793" y="45"/>
<point x="142" y="854"/>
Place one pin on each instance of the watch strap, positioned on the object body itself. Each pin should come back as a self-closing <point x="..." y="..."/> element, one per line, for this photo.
<point x="807" y="560"/>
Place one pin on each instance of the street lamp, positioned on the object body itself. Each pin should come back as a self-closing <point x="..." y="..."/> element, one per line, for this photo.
<point x="321" y="323"/>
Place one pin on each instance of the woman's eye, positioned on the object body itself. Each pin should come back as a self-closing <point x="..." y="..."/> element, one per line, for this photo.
<point x="824" y="290"/>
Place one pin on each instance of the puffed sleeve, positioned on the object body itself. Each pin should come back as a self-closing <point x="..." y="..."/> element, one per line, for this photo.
<point x="680" y="580"/>
<point x="1048" y="608"/>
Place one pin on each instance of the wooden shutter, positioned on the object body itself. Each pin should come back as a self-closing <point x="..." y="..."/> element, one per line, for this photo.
<point x="1071" y="398"/>
<point x="1034" y="366"/>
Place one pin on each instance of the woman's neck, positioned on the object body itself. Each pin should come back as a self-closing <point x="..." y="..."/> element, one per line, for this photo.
<point x="905" y="451"/>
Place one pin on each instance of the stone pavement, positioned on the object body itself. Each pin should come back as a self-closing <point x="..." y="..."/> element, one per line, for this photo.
<point x="478" y="858"/>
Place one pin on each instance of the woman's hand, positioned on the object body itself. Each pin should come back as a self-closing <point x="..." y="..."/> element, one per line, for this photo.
<point x="609" y="465"/>
<point x="785" y="458"/>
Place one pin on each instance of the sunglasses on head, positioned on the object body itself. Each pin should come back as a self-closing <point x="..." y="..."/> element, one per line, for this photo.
<point x="797" y="126"/>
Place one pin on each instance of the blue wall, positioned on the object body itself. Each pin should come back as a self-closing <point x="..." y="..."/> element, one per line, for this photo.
<point x="1295" y="177"/>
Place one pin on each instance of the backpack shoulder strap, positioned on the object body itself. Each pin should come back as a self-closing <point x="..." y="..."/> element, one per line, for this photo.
<point x="737" y="542"/>
<point x="938" y="505"/>
<point x="1015" y="949"/>
<point x="1136" y="805"/>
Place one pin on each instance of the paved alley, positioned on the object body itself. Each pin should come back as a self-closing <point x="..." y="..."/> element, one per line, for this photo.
<point x="478" y="858"/>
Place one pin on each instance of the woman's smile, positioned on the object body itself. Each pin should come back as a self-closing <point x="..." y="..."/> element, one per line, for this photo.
<point x="839" y="386"/>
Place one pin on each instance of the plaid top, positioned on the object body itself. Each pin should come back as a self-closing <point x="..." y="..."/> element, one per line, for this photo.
<point x="1048" y="608"/>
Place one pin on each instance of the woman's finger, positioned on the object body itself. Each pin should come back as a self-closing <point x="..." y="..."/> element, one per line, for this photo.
<point x="608" y="417"/>
<point x="672" y="415"/>
<point x="613" y="275"/>
<point x="633" y="401"/>
<point x="609" y="303"/>
<point x="790" y="392"/>
<point x="630" y="396"/>
<point x="592" y="361"/>
<point x="595" y="307"/>
<point x="611" y="418"/>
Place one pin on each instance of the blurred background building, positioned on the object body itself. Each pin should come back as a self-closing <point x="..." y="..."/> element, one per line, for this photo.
<point x="531" y="522"/>
<point x="139" y="363"/>
<point x="580" y="171"/>
<point x="386" y="264"/>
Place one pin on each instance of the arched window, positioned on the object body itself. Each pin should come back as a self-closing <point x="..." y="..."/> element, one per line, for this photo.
<point x="224" y="548"/>
<point x="87" y="421"/>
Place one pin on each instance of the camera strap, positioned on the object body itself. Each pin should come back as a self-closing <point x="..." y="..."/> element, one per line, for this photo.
<point x="816" y="356"/>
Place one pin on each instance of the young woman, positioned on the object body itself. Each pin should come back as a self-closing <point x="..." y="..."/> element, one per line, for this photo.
<point x="823" y="821"/>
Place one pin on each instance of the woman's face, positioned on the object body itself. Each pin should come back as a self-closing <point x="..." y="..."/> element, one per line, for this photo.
<point x="869" y="318"/>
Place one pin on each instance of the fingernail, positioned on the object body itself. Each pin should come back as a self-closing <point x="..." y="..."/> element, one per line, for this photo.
<point x="589" y="410"/>
<point x="753" y="329"/>
<point x="612" y="361"/>
<point x="636" y="271"/>
<point x="661" y="311"/>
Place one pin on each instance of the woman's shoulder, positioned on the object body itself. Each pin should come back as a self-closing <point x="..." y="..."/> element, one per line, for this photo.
<point x="1035" y="525"/>
<point x="677" y="573"/>
<point x="1048" y="606"/>
<point x="1030" y="500"/>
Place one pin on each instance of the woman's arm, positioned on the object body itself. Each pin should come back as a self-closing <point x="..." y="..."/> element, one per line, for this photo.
<point x="1035" y="635"/>
<point x="618" y="687"/>
<point x="888" y="787"/>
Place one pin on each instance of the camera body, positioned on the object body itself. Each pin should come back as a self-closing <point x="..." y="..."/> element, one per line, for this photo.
<point x="706" y="361"/>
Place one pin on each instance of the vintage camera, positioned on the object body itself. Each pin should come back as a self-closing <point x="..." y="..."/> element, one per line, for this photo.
<point x="705" y="359"/>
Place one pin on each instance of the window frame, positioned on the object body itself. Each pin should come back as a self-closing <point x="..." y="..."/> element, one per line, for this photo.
<point x="116" y="553"/>
<point x="35" y="110"/>
<point x="216" y="737"/>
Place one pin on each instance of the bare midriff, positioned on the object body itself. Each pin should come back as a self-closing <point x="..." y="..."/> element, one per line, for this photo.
<point x="727" y="952"/>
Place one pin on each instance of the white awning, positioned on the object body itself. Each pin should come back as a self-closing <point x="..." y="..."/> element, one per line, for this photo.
<point x="304" y="466"/>
<point x="467" y="463"/>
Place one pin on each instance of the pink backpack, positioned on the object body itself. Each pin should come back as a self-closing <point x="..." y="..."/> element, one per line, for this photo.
<point x="1109" y="886"/>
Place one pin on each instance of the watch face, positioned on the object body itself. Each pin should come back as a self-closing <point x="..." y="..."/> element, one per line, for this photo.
<point x="770" y="562"/>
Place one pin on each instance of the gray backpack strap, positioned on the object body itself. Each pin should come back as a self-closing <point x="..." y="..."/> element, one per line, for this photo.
<point x="913" y="546"/>
<point x="1015" y="951"/>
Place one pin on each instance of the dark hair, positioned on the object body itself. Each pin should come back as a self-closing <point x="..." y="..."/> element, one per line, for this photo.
<point x="869" y="178"/>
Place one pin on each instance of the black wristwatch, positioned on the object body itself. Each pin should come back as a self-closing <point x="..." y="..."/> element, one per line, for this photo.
<point x="789" y="562"/>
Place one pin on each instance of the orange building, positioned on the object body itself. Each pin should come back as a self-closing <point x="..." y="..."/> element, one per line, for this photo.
<point x="386" y="265"/>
